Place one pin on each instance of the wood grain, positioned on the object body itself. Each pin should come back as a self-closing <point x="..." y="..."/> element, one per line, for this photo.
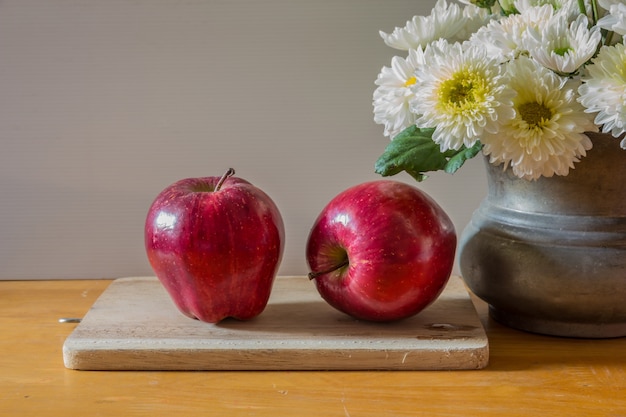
<point x="135" y="326"/>
<point x="527" y="375"/>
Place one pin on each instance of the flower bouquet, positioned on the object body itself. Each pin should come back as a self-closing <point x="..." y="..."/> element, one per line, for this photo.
<point x="520" y="81"/>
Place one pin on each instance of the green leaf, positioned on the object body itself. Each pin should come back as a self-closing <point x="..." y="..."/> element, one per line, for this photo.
<point x="414" y="152"/>
<point x="458" y="159"/>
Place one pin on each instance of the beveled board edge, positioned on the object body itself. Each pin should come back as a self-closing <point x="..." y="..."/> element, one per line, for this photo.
<point x="82" y="354"/>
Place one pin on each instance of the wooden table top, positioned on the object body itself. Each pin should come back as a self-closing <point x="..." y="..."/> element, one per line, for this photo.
<point x="527" y="375"/>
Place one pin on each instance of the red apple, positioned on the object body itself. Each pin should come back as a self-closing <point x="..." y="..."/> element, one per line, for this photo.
<point x="381" y="251"/>
<point x="215" y="244"/>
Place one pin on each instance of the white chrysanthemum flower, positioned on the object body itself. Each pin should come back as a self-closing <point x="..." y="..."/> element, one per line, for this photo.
<point x="444" y="21"/>
<point x="547" y="134"/>
<point x="567" y="7"/>
<point x="563" y="47"/>
<point x="392" y="96"/>
<point x="474" y="19"/>
<point x="503" y="39"/>
<point x="616" y="19"/>
<point x="604" y="90"/>
<point x="459" y="93"/>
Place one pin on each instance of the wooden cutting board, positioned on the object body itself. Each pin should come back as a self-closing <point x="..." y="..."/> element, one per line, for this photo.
<point x="134" y="325"/>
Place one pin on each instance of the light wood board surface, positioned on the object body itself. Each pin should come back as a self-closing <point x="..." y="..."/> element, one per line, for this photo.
<point x="134" y="325"/>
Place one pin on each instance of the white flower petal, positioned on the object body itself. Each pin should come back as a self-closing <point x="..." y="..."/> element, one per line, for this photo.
<point x="562" y="47"/>
<point x="445" y="21"/>
<point x="459" y="93"/>
<point x="604" y="89"/>
<point x="391" y="97"/>
<point x="504" y="38"/>
<point x="547" y="135"/>
<point x="615" y="20"/>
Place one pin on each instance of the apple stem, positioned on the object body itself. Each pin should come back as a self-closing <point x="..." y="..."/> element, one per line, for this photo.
<point x="229" y="173"/>
<point x="313" y="275"/>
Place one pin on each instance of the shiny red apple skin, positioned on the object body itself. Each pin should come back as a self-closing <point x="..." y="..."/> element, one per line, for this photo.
<point x="215" y="252"/>
<point x="400" y="245"/>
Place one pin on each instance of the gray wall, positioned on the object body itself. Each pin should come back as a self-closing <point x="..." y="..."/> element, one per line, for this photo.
<point x="104" y="103"/>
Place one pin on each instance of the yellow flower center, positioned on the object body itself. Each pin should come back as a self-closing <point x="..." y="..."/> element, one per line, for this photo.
<point x="535" y="114"/>
<point x="410" y="82"/>
<point x="464" y="91"/>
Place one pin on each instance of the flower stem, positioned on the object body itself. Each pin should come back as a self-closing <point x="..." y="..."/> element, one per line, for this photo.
<point x="594" y="10"/>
